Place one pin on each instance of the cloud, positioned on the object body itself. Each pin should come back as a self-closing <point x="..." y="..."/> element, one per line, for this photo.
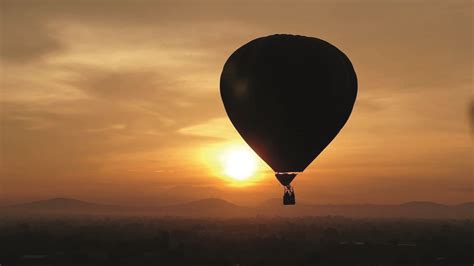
<point x="122" y="113"/>
<point x="25" y="35"/>
<point x="126" y="85"/>
<point x="25" y="42"/>
<point x="430" y="47"/>
<point x="217" y="128"/>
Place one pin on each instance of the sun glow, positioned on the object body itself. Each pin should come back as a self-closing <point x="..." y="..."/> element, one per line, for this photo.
<point x="239" y="164"/>
<point x="234" y="162"/>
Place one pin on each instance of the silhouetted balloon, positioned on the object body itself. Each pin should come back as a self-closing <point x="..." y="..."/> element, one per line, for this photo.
<point x="288" y="97"/>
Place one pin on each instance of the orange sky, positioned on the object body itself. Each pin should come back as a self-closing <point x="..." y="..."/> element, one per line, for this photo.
<point x="117" y="101"/>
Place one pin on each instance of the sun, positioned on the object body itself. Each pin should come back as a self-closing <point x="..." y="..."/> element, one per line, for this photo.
<point x="239" y="163"/>
<point x="234" y="162"/>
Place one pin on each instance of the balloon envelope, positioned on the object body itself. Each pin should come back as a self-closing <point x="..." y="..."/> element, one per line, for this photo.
<point x="288" y="97"/>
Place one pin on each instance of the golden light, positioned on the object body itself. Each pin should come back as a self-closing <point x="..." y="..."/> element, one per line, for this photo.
<point x="235" y="162"/>
<point x="239" y="164"/>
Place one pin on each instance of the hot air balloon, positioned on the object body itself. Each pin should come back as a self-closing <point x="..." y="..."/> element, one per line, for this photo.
<point x="288" y="97"/>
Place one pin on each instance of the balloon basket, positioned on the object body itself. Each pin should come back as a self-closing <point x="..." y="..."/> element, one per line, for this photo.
<point x="288" y="195"/>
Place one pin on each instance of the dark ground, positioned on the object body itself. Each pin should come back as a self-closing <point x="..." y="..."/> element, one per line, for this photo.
<point x="250" y="241"/>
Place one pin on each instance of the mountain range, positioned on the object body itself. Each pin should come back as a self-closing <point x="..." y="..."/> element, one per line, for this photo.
<point x="219" y="208"/>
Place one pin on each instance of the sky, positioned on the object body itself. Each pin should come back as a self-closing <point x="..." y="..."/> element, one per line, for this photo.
<point x="118" y="101"/>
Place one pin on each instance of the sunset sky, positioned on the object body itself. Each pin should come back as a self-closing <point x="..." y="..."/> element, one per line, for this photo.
<point x="118" y="101"/>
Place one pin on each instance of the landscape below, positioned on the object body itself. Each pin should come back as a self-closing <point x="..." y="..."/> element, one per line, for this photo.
<point x="330" y="240"/>
<point x="213" y="231"/>
<point x="218" y="208"/>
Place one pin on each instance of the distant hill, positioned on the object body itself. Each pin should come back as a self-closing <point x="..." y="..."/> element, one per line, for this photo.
<point x="62" y="205"/>
<point x="415" y="209"/>
<point x="219" y="208"/>
<point x="466" y="205"/>
<point x="183" y="194"/>
<point x="211" y="207"/>
<point x="57" y="203"/>
<point x="423" y="204"/>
